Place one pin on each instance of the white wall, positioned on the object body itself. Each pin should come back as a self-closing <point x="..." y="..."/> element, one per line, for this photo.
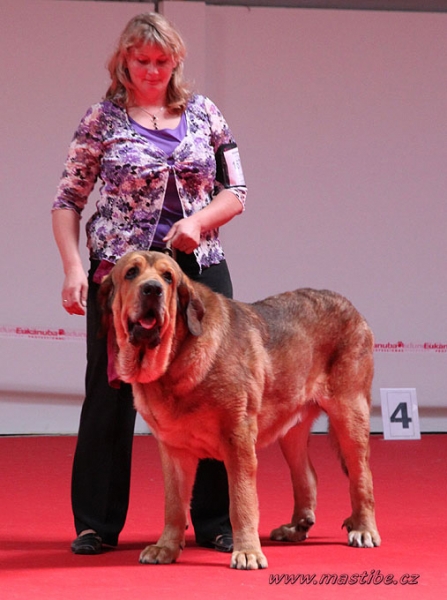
<point x="341" y="121"/>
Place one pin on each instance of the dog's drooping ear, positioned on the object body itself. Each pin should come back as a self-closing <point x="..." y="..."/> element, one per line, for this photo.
<point x="192" y="307"/>
<point x="105" y="297"/>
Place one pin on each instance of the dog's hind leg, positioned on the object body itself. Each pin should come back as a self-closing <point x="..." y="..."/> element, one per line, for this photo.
<point x="179" y="470"/>
<point x="349" y="427"/>
<point x="294" y="446"/>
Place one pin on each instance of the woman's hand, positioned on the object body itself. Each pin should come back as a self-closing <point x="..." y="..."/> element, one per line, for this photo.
<point x="184" y="235"/>
<point x="66" y="234"/>
<point x="74" y="292"/>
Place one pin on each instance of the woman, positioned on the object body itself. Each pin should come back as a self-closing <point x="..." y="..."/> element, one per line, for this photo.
<point x="153" y="145"/>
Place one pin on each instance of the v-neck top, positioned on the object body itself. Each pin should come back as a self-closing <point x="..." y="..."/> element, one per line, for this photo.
<point x="167" y="140"/>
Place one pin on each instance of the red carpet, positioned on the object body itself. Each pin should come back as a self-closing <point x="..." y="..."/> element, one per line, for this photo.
<point x="410" y="488"/>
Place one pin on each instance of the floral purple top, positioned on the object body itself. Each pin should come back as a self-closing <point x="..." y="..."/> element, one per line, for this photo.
<point x="134" y="173"/>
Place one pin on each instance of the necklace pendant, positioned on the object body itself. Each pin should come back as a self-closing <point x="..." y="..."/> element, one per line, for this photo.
<point x="152" y="116"/>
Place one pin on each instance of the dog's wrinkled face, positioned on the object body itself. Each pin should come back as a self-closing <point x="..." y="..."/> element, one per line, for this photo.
<point x="144" y="289"/>
<point x="146" y="294"/>
<point x="148" y="291"/>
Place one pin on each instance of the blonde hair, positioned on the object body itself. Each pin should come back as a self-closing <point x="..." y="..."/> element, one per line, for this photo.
<point x="148" y="28"/>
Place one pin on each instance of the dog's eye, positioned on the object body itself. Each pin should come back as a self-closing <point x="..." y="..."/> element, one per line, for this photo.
<point x="167" y="276"/>
<point x="132" y="273"/>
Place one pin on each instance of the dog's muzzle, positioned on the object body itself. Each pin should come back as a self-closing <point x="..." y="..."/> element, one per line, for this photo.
<point x="145" y="329"/>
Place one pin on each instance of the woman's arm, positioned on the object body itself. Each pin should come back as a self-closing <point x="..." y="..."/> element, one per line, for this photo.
<point x="75" y="286"/>
<point x="80" y="173"/>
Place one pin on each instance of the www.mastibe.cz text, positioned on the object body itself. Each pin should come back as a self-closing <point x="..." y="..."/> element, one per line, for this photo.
<point x="372" y="577"/>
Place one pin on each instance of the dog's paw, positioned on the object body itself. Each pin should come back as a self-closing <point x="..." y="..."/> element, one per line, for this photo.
<point x="293" y="533"/>
<point x="248" y="560"/>
<point x="159" y="555"/>
<point x="361" y="537"/>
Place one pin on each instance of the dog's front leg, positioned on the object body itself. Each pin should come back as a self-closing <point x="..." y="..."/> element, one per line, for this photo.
<point x="179" y="470"/>
<point x="241" y="464"/>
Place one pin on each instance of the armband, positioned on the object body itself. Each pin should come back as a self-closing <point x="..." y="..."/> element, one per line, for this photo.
<point x="228" y="166"/>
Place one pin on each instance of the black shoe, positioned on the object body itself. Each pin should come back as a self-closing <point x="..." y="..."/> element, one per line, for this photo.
<point x="89" y="543"/>
<point x="222" y="543"/>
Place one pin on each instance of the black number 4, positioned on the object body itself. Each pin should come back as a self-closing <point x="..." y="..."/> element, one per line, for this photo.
<point x="401" y="409"/>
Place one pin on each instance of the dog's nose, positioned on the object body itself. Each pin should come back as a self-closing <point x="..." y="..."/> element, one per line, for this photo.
<point x="151" y="288"/>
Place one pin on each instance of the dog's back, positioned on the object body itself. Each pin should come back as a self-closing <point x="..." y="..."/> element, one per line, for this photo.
<point x="312" y="346"/>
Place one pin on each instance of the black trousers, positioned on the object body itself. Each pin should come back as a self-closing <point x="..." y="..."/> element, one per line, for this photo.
<point x="102" y="460"/>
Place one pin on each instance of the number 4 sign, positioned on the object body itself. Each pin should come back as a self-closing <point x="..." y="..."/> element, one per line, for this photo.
<point x="400" y="414"/>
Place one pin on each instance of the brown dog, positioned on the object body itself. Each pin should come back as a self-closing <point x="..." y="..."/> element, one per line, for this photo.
<point x="214" y="378"/>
